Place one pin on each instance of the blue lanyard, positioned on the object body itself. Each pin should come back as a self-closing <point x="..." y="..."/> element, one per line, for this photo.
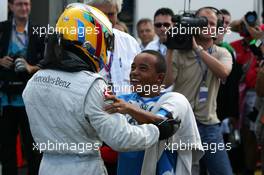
<point x="210" y="51"/>
<point x="19" y="35"/>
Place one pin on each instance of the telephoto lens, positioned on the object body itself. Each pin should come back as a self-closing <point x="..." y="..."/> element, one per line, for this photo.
<point x="20" y="65"/>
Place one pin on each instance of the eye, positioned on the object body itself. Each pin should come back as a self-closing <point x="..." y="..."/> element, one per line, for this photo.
<point x="132" y="67"/>
<point x="143" y="68"/>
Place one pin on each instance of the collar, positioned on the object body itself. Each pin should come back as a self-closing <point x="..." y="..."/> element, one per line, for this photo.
<point x="14" y="26"/>
<point x="147" y="99"/>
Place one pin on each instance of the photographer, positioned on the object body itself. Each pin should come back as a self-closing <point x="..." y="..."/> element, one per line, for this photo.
<point x="247" y="56"/>
<point x="196" y="73"/>
<point x="20" y="50"/>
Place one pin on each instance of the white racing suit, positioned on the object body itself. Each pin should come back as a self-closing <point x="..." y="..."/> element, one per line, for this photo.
<point x="186" y="141"/>
<point x="67" y="121"/>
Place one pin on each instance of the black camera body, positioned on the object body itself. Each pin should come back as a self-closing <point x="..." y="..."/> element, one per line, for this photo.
<point x="185" y="26"/>
<point x="251" y="19"/>
<point x="14" y="80"/>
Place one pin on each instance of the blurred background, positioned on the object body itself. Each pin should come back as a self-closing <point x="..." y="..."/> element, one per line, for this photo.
<point x="47" y="11"/>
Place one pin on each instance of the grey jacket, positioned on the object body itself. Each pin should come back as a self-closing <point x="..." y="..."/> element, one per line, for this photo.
<point x="67" y="121"/>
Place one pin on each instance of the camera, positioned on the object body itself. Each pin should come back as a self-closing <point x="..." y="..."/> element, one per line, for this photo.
<point x="20" y="65"/>
<point x="251" y="18"/>
<point x="185" y="26"/>
<point x="13" y="81"/>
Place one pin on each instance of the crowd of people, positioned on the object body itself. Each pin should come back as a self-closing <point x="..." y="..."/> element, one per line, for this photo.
<point x="100" y="102"/>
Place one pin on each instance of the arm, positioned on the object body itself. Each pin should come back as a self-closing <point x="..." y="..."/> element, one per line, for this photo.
<point x="235" y="25"/>
<point x="114" y="129"/>
<point x="120" y="106"/>
<point x="219" y="69"/>
<point x="163" y="119"/>
<point x="32" y="68"/>
<point x="260" y="81"/>
<point x="6" y="62"/>
<point x="169" y="77"/>
<point x="29" y="68"/>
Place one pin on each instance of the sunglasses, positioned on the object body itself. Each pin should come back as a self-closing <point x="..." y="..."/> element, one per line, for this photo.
<point x="159" y="25"/>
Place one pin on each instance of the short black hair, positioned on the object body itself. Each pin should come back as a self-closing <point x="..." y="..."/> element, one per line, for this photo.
<point x="225" y="12"/>
<point x="164" y="11"/>
<point x="161" y="66"/>
<point x="143" y="20"/>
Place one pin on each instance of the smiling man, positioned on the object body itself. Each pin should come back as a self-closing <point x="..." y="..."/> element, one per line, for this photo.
<point x="148" y="104"/>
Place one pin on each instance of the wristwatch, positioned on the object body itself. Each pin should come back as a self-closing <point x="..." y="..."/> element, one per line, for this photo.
<point x="198" y="49"/>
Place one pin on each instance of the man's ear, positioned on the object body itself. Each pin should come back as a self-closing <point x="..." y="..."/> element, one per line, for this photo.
<point x="161" y="77"/>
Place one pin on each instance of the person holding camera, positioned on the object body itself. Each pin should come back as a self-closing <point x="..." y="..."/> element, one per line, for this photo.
<point x="248" y="54"/>
<point x="196" y="73"/>
<point x="20" y="50"/>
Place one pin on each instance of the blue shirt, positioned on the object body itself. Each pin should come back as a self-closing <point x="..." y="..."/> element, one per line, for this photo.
<point x="17" y="47"/>
<point x="130" y="163"/>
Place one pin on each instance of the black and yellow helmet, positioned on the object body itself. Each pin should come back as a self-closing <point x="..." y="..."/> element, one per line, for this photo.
<point x="89" y="29"/>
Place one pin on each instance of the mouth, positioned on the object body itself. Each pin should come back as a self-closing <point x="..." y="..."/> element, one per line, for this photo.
<point x="134" y="81"/>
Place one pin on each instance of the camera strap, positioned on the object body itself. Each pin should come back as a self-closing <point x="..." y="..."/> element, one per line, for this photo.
<point x="204" y="71"/>
<point x="203" y="90"/>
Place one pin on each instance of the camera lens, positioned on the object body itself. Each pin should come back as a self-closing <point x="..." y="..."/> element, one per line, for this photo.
<point x="20" y="65"/>
<point x="251" y="18"/>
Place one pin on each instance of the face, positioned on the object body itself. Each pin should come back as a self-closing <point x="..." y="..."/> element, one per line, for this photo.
<point x="161" y="22"/>
<point x="143" y="74"/>
<point x="146" y="32"/>
<point x="21" y="9"/>
<point x="212" y="23"/>
<point x="227" y="21"/>
<point x="109" y="10"/>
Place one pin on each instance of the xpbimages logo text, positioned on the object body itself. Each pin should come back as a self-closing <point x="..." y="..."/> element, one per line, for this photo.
<point x="81" y="31"/>
<point x="190" y="30"/>
<point x="56" y="146"/>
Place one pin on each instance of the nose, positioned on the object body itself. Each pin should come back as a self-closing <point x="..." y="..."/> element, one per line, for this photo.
<point x="133" y="72"/>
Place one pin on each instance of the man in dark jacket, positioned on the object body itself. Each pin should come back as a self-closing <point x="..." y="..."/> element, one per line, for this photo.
<point x="20" y="50"/>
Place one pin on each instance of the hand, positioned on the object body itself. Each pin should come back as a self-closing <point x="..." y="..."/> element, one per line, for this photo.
<point x="194" y="44"/>
<point x="261" y="64"/>
<point x="118" y="105"/>
<point x="255" y="32"/>
<point x="6" y="62"/>
<point x="260" y="70"/>
<point x="21" y="65"/>
<point x="24" y="66"/>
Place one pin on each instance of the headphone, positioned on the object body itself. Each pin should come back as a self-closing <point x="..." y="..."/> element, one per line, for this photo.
<point x="220" y="21"/>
